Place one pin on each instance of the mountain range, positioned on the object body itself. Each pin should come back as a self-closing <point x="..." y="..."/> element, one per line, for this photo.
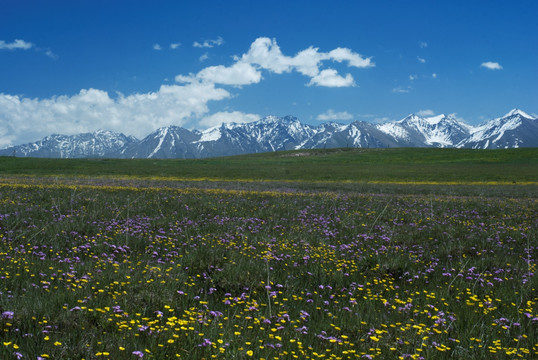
<point x="515" y="129"/>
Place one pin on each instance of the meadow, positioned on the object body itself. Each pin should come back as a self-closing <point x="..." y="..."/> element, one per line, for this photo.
<point x="271" y="256"/>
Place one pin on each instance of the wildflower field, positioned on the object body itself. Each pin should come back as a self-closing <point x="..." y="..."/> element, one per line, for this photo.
<point x="104" y="268"/>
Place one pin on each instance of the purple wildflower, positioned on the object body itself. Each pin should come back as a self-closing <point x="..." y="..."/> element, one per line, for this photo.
<point x="8" y="315"/>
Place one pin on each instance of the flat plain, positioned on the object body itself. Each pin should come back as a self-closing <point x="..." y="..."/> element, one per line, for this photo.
<point x="329" y="254"/>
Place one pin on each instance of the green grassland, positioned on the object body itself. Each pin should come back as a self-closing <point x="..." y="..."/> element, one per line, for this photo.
<point x="319" y="254"/>
<point x="357" y="165"/>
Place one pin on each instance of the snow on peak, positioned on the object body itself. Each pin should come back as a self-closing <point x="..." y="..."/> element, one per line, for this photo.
<point x="499" y="126"/>
<point x="518" y="112"/>
<point x="211" y="134"/>
<point x="394" y="129"/>
<point x="228" y="125"/>
<point x="162" y="134"/>
<point x="103" y="132"/>
<point x="163" y="131"/>
<point x="434" y="120"/>
<point x="408" y="118"/>
<point x="269" y="119"/>
<point x="431" y="120"/>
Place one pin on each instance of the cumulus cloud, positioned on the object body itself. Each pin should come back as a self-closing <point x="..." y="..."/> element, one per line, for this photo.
<point x="174" y="46"/>
<point x="23" y="119"/>
<point x="491" y="65"/>
<point x="421" y="60"/>
<point x="17" y="44"/>
<point x="353" y="59"/>
<point x="265" y="54"/>
<point x="209" y="43"/>
<point x="157" y="47"/>
<point x="413" y="77"/>
<point x="331" y="78"/>
<point x="238" y="74"/>
<point x="219" y="118"/>
<point x="423" y="44"/>
<point x="330" y="115"/>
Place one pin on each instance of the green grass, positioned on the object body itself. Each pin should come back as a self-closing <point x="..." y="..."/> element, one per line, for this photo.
<point x="320" y="254"/>
<point x="102" y="271"/>
<point x="356" y="165"/>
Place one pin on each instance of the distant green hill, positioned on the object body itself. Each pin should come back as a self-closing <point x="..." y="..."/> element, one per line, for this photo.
<point x="340" y="165"/>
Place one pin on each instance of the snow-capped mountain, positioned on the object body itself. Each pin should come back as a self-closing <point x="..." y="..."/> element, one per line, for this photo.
<point x="437" y="131"/>
<point x="268" y="134"/>
<point x="357" y="134"/>
<point x="168" y="142"/>
<point x="99" y="144"/>
<point x="515" y="129"/>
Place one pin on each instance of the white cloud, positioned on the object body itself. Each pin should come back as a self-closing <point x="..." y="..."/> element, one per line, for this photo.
<point x="172" y="46"/>
<point x="330" y="78"/>
<point x="238" y="74"/>
<point x="491" y="65"/>
<point x="17" y="44"/>
<point x="401" y="90"/>
<point x="423" y="44"/>
<point x="265" y="54"/>
<point x="204" y="57"/>
<point x="434" y="75"/>
<point x="219" y="118"/>
<point x="427" y="112"/>
<point x="413" y="77"/>
<point x="25" y="45"/>
<point x="24" y="119"/>
<point x="332" y="115"/>
<point x="50" y="54"/>
<point x="353" y="59"/>
<point x="209" y="43"/>
<point x="421" y="59"/>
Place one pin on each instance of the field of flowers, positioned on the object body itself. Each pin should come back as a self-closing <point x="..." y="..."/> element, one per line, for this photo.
<point x="116" y="271"/>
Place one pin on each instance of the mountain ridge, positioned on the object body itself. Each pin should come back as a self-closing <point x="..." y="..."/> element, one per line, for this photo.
<point x="272" y="133"/>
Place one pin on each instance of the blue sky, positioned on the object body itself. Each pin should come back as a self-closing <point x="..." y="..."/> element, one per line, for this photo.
<point x="133" y="66"/>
